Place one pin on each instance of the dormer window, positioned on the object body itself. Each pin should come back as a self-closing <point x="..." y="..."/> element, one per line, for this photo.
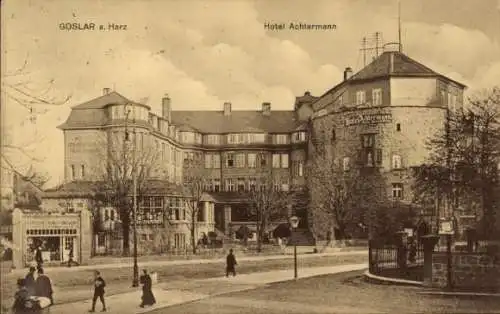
<point x="377" y="97"/>
<point x="360" y="97"/>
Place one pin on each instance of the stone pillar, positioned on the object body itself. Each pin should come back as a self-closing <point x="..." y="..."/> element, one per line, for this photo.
<point x="206" y="208"/>
<point x="19" y="239"/>
<point x="85" y="237"/>
<point x="402" y="252"/>
<point x="429" y="242"/>
<point x="227" y="218"/>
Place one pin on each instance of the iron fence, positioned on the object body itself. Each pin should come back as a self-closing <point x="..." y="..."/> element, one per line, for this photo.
<point x="403" y="261"/>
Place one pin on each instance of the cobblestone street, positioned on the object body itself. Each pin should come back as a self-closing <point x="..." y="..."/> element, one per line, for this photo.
<point x="339" y="293"/>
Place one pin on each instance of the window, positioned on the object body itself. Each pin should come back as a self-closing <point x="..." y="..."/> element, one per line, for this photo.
<point x="252" y="158"/>
<point x="180" y="241"/>
<point x="284" y="160"/>
<point x="252" y="183"/>
<point x="396" y="162"/>
<point x="229" y="185"/>
<point x="334" y="136"/>
<point x="378" y="159"/>
<point x="281" y="139"/>
<point x="360" y="97"/>
<point x="263" y="160"/>
<point x="276" y="160"/>
<point x="240" y="160"/>
<point x="241" y="138"/>
<point x="150" y="210"/>
<point x="284" y="185"/>
<point x="241" y="185"/>
<point x="276" y="186"/>
<point x="301" y="168"/>
<point x="216" y="160"/>
<point x="263" y="186"/>
<point x="216" y="185"/>
<point x="368" y="140"/>
<point x="397" y="191"/>
<point x="213" y="139"/>
<point x="299" y="136"/>
<point x="208" y="161"/>
<point x="377" y="97"/>
<point x="256" y="138"/>
<point x="398" y="127"/>
<point x="83" y="171"/>
<point x="345" y="164"/>
<point x="454" y="102"/>
<point x="443" y="97"/>
<point x="73" y="175"/>
<point x="236" y="138"/>
<point x="230" y="161"/>
<point x="208" y="185"/>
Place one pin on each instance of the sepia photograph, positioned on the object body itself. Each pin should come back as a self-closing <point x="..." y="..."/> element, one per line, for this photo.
<point x="250" y="156"/>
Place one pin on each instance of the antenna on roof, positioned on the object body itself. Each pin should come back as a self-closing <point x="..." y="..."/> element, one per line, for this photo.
<point x="399" y="27"/>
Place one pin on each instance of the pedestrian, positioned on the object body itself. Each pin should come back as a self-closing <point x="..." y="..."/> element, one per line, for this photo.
<point x="21" y="297"/>
<point x="38" y="257"/>
<point x="148" y="297"/>
<point x="70" y="256"/>
<point x="43" y="286"/>
<point x="230" y="263"/>
<point x="29" y="281"/>
<point x="99" y="285"/>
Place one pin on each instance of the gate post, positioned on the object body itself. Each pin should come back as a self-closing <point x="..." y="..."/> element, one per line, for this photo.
<point x="429" y="242"/>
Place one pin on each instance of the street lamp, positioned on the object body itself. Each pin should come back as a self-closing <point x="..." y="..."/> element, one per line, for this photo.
<point x="135" y="280"/>
<point x="294" y="223"/>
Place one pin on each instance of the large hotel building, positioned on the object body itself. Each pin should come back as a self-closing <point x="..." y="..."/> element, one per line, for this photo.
<point x="386" y="111"/>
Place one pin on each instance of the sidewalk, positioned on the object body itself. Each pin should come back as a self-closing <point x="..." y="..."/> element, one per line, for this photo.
<point x="168" y="294"/>
<point x="189" y="262"/>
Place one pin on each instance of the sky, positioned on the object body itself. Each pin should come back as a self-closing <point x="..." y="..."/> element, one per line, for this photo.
<point x="205" y="53"/>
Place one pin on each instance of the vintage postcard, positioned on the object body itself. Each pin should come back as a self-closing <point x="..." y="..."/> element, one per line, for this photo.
<point x="250" y="156"/>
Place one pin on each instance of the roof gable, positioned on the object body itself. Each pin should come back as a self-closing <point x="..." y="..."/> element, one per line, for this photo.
<point x="104" y="100"/>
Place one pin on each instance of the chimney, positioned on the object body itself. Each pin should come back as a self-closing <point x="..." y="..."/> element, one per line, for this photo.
<point x="266" y="108"/>
<point x="307" y="93"/>
<point x="227" y="108"/>
<point x="105" y="91"/>
<point x="347" y="73"/>
<point x="166" y="108"/>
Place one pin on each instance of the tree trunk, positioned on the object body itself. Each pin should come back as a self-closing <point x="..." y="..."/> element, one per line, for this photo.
<point x="126" y="236"/>
<point x="193" y="231"/>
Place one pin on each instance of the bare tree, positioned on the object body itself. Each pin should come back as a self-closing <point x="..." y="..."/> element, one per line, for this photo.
<point x="126" y="155"/>
<point x="462" y="170"/>
<point x="194" y="187"/>
<point x="20" y="93"/>
<point x="268" y="203"/>
<point x="334" y="194"/>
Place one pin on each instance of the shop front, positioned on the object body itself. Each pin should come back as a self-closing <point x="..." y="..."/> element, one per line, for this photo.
<point x="56" y="235"/>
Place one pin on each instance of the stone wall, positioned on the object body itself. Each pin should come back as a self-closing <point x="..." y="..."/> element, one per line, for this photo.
<point x="469" y="271"/>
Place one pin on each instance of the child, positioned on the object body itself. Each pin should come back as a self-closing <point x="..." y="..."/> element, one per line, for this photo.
<point x="99" y="285"/>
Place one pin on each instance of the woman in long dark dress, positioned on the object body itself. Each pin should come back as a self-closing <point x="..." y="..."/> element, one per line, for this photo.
<point x="147" y="293"/>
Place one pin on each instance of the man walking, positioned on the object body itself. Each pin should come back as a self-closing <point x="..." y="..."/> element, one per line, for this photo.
<point x="43" y="286"/>
<point x="230" y="263"/>
<point x="99" y="285"/>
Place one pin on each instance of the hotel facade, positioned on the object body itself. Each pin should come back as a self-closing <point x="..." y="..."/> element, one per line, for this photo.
<point x="381" y="115"/>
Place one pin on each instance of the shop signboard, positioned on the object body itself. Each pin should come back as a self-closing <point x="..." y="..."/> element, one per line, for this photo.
<point x="372" y="118"/>
<point x="53" y="222"/>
